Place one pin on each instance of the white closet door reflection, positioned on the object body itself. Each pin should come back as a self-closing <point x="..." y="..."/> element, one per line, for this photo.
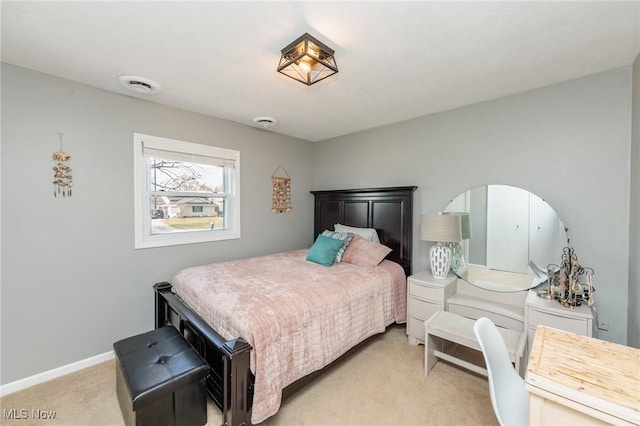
<point x="507" y="228"/>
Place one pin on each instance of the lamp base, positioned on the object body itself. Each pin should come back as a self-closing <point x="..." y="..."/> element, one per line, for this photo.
<point x="458" y="264"/>
<point x="440" y="259"/>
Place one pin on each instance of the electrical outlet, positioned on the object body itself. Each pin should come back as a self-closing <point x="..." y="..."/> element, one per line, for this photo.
<point x="603" y="325"/>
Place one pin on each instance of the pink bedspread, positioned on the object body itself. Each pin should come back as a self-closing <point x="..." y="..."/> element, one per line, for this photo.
<point x="298" y="316"/>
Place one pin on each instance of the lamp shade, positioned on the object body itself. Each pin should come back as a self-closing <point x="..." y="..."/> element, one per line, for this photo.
<point x="307" y="60"/>
<point x="444" y="228"/>
<point x="465" y="223"/>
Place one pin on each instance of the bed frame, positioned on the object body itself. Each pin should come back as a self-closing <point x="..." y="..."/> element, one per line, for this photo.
<point x="230" y="381"/>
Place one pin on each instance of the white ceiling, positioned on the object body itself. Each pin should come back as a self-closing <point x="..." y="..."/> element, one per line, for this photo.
<point x="397" y="60"/>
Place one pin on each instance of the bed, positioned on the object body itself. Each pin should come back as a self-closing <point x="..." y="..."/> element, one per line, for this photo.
<point x="281" y="359"/>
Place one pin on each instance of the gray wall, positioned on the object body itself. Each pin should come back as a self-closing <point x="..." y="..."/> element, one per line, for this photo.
<point x="72" y="282"/>
<point x="634" y="226"/>
<point x="568" y="143"/>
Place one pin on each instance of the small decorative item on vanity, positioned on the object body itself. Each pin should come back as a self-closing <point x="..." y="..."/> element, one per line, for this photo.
<point x="569" y="283"/>
<point x="62" y="178"/>
<point x="281" y="191"/>
<point x="440" y="228"/>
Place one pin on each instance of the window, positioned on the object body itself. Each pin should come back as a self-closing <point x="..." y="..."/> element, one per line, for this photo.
<point x="184" y="192"/>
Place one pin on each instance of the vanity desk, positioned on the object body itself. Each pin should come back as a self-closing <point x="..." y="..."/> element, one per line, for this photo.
<point x="521" y="311"/>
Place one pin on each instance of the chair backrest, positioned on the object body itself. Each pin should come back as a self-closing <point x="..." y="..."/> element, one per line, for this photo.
<point x="509" y="398"/>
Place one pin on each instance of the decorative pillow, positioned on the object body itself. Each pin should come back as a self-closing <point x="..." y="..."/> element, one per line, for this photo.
<point x="368" y="233"/>
<point x="324" y="250"/>
<point x="362" y="252"/>
<point x="345" y="237"/>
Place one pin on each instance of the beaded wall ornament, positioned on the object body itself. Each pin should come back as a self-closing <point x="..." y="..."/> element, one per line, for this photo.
<point x="62" y="178"/>
<point x="281" y="181"/>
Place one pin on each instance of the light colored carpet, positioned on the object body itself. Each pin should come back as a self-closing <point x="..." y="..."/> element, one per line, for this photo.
<point x="382" y="382"/>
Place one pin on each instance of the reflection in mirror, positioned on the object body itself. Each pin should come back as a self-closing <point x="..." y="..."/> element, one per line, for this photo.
<point x="515" y="235"/>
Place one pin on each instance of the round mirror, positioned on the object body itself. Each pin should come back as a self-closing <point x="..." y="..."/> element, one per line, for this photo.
<point x="513" y="236"/>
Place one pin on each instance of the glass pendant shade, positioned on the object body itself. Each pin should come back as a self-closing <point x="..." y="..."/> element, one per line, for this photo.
<point x="307" y="60"/>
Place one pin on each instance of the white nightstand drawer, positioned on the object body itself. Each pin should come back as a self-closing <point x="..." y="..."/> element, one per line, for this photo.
<point x="566" y="323"/>
<point x="424" y="292"/>
<point x="415" y="328"/>
<point x="425" y="296"/>
<point x="421" y="309"/>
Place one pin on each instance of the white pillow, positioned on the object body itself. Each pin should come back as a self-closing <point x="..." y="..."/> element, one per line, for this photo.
<point x="367" y="233"/>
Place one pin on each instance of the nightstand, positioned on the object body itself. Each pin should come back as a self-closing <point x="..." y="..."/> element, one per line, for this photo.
<point x="550" y="313"/>
<point x="426" y="296"/>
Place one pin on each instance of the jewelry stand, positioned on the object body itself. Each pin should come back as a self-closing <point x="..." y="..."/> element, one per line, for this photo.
<point x="564" y="281"/>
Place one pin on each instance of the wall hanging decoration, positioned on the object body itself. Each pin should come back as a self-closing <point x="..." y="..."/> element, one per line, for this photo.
<point x="62" y="178"/>
<point x="281" y="191"/>
<point x="569" y="283"/>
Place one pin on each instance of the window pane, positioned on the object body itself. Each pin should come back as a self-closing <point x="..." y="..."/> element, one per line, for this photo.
<point x="184" y="214"/>
<point x="171" y="211"/>
<point x="180" y="176"/>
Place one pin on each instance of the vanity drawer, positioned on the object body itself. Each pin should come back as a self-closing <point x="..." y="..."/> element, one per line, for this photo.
<point x="498" y="318"/>
<point x="566" y="323"/>
<point x="424" y="292"/>
<point x="422" y="310"/>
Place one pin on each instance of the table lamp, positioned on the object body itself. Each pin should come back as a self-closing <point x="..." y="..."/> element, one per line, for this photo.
<point x="440" y="228"/>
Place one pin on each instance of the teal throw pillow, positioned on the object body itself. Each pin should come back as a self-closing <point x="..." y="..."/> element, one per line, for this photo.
<point x="324" y="250"/>
<point x="345" y="237"/>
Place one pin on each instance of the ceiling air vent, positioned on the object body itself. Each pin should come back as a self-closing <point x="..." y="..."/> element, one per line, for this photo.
<point x="265" y="122"/>
<point x="139" y="84"/>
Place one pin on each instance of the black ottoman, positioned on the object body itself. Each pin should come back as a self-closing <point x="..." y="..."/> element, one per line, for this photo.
<point x="160" y="380"/>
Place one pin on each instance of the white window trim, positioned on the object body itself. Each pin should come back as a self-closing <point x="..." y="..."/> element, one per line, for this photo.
<point x="143" y="236"/>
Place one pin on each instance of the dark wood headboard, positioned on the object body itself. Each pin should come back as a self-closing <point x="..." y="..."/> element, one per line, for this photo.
<point x="388" y="210"/>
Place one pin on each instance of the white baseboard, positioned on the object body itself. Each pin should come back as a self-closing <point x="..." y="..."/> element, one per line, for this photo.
<point x="55" y="373"/>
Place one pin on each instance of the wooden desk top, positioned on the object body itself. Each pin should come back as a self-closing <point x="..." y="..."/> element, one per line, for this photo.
<point x="585" y="373"/>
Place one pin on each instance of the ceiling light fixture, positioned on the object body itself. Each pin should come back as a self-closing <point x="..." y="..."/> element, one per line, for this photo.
<point x="139" y="84"/>
<point x="307" y="60"/>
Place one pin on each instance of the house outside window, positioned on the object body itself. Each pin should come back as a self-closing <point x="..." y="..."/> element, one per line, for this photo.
<point x="184" y="192"/>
